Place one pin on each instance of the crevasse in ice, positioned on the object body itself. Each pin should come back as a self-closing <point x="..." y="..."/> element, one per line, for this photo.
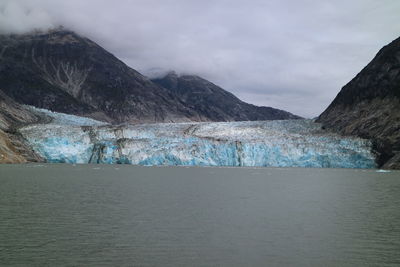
<point x="295" y="143"/>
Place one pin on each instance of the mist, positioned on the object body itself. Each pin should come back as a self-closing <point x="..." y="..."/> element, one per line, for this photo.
<point x="289" y="54"/>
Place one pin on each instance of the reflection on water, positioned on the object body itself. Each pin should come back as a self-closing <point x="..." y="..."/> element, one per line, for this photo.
<point x="107" y="215"/>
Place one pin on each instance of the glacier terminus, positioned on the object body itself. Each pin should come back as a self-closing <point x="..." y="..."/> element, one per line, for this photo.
<point x="282" y="143"/>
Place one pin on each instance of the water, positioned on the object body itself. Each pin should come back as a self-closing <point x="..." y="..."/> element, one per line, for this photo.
<point x="121" y="215"/>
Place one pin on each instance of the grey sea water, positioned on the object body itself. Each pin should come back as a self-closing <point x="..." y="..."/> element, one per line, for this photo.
<point x="118" y="215"/>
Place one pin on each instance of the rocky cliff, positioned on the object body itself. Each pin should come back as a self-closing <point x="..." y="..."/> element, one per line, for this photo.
<point x="62" y="71"/>
<point x="369" y="106"/>
<point x="13" y="147"/>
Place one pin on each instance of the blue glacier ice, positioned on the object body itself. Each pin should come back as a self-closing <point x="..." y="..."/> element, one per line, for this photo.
<point x="64" y="119"/>
<point x="289" y="143"/>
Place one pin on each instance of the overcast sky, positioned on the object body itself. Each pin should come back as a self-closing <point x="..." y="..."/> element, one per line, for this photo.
<point x="289" y="54"/>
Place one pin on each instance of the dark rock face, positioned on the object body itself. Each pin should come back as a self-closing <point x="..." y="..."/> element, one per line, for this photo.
<point x="62" y="71"/>
<point x="369" y="106"/>
<point x="214" y="103"/>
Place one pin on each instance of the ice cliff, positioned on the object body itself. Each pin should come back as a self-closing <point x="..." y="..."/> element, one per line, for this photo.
<point x="296" y="143"/>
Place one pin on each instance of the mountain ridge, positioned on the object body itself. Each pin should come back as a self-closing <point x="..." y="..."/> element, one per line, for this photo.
<point x="65" y="72"/>
<point x="213" y="102"/>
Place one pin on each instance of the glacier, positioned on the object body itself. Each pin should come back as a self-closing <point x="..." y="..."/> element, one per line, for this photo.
<point x="64" y="119"/>
<point x="287" y="143"/>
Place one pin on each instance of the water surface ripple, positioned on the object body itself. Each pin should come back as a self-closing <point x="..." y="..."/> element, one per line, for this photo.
<point x="118" y="215"/>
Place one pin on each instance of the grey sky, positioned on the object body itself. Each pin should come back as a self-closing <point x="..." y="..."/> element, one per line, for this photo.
<point x="289" y="54"/>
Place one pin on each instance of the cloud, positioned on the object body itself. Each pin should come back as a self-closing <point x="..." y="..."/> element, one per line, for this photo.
<point x="290" y="54"/>
<point x="18" y="18"/>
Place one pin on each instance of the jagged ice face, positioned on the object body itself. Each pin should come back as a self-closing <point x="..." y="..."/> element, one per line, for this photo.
<point x="290" y="143"/>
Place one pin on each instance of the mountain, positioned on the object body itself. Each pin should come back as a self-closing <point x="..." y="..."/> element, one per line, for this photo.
<point x="214" y="103"/>
<point x="62" y="71"/>
<point x="369" y="106"/>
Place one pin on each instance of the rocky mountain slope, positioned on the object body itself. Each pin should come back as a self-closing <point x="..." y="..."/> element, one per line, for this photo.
<point x="62" y="71"/>
<point x="13" y="147"/>
<point x="369" y="106"/>
<point x="214" y="103"/>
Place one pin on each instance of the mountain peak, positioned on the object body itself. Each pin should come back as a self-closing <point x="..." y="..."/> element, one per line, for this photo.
<point x="63" y="36"/>
<point x="211" y="101"/>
